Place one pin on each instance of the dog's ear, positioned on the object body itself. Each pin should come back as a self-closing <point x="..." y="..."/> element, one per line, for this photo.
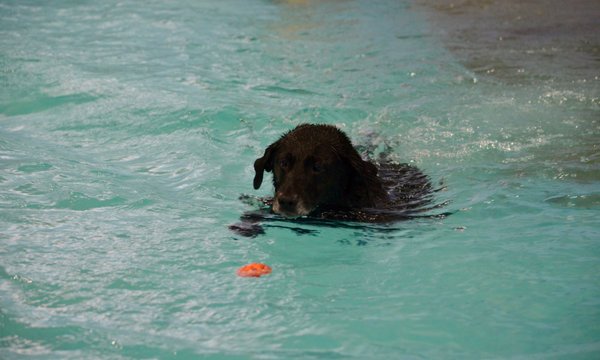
<point x="364" y="187"/>
<point x="362" y="170"/>
<point x="265" y="163"/>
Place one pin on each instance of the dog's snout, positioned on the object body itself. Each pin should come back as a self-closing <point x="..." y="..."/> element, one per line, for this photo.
<point x="287" y="202"/>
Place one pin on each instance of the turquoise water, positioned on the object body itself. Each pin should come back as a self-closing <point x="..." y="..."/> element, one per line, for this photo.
<point x="128" y="131"/>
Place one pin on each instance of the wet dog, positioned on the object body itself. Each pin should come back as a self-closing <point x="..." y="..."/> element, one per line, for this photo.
<point x="318" y="176"/>
<point x="318" y="172"/>
<point x="314" y="167"/>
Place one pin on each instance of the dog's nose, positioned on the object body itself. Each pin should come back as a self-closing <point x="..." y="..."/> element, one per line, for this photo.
<point x="287" y="202"/>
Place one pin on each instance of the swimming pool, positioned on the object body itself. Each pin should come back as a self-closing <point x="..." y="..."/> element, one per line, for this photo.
<point x="128" y="133"/>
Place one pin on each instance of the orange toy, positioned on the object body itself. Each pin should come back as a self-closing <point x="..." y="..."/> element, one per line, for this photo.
<point x="254" y="270"/>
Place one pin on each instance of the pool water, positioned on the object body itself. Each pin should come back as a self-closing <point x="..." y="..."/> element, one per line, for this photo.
<point x="128" y="132"/>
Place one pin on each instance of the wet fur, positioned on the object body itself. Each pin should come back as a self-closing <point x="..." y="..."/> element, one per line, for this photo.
<point x="346" y="187"/>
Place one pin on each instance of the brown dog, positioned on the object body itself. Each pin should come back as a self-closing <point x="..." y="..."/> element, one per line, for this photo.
<point x="317" y="173"/>
<point x="316" y="167"/>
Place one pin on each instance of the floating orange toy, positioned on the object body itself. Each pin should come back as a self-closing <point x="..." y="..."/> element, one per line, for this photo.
<point x="254" y="270"/>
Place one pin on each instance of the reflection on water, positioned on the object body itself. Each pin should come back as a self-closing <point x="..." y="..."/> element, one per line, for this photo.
<point x="523" y="42"/>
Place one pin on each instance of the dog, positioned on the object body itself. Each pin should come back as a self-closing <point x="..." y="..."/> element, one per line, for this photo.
<point x="318" y="173"/>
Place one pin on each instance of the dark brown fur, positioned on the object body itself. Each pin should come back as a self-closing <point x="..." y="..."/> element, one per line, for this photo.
<point x="316" y="170"/>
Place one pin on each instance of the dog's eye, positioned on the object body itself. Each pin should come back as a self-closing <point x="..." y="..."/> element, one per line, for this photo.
<point x="283" y="163"/>
<point x="317" y="167"/>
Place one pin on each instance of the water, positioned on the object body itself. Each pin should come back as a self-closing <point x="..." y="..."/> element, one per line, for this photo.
<point x="128" y="132"/>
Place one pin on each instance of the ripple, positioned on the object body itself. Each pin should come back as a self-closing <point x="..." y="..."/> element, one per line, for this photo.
<point x="280" y="90"/>
<point x="588" y="201"/>
<point x="44" y="102"/>
<point x="81" y="202"/>
<point x="31" y="168"/>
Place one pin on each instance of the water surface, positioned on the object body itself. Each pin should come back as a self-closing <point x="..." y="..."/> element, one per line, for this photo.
<point x="128" y="133"/>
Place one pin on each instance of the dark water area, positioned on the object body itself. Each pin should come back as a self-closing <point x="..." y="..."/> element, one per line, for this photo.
<point x="520" y="42"/>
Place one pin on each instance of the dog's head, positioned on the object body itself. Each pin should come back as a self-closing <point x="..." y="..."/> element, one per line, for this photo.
<point x="315" y="166"/>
